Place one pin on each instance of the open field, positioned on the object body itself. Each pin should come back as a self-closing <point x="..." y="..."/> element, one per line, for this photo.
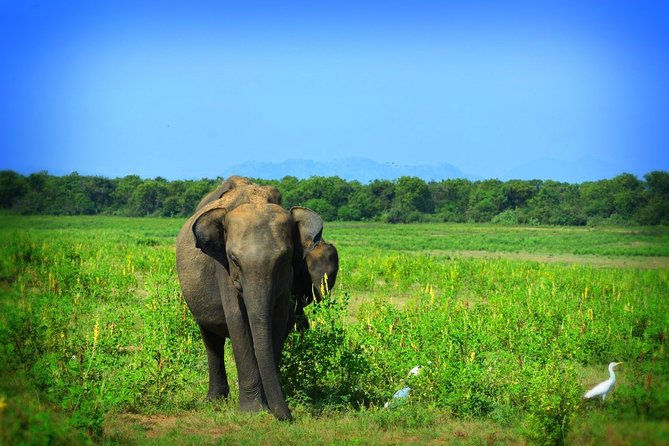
<point x="512" y="324"/>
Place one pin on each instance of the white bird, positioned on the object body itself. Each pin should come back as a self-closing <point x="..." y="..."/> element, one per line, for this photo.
<point x="403" y="393"/>
<point x="416" y="370"/>
<point x="399" y="395"/>
<point x="603" y="388"/>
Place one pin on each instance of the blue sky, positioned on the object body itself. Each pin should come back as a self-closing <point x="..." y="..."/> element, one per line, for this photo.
<point x="188" y="89"/>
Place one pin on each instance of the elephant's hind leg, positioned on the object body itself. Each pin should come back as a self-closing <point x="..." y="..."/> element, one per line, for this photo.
<point x="218" y="379"/>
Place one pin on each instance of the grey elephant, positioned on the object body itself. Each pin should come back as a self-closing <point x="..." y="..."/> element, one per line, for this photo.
<point x="239" y="257"/>
<point x="315" y="273"/>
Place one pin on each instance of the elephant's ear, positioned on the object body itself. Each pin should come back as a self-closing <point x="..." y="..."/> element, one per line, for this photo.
<point x="209" y="231"/>
<point x="309" y="226"/>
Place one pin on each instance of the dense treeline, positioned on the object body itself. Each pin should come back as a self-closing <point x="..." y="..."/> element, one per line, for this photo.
<point x="624" y="199"/>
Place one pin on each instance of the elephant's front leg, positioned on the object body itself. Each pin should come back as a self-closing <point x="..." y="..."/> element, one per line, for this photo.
<point x="218" y="379"/>
<point x="251" y="396"/>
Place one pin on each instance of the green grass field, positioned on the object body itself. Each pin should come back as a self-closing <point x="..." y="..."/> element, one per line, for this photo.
<point x="511" y="324"/>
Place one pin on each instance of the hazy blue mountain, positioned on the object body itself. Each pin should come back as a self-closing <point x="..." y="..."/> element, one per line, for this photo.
<point x="365" y="170"/>
<point x="361" y="169"/>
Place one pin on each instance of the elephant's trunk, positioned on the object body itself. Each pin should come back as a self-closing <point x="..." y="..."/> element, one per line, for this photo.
<point x="260" y="319"/>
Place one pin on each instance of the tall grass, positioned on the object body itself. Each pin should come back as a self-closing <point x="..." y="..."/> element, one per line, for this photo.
<point x="501" y="339"/>
<point x="445" y="237"/>
<point x="92" y="323"/>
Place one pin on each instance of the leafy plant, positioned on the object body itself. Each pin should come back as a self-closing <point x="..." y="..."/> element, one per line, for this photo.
<point x="321" y="365"/>
<point x="554" y="401"/>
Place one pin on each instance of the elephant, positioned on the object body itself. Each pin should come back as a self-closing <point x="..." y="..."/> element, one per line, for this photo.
<point x="239" y="259"/>
<point x="319" y="260"/>
<point x="315" y="273"/>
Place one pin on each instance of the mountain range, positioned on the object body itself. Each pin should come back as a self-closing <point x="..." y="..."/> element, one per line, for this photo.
<point x="360" y="169"/>
<point x="366" y="170"/>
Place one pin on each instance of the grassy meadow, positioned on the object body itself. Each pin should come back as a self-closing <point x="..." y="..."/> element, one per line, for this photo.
<point x="511" y="325"/>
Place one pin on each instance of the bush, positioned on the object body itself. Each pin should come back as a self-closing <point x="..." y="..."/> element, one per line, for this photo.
<point x="349" y="213"/>
<point x="507" y="218"/>
<point x="554" y="400"/>
<point x="322" y="365"/>
<point x="323" y="208"/>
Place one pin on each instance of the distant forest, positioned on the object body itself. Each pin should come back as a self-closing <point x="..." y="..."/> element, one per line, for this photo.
<point x="623" y="200"/>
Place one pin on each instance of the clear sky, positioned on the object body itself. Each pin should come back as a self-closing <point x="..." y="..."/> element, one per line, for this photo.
<point x="186" y="89"/>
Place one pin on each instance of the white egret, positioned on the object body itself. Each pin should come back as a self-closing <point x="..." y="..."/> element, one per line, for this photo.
<point x="416" y="370"/>
<point x="603" y="388"/>
<point x="404" y="393"/>
<point x="399" y="395"/>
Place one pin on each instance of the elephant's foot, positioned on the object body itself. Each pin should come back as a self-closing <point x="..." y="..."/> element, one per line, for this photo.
<point x="253" y="406"/>
<point x="252" y="400"/>
<point x="259" y="404"/>
<point x="283" y="414"/>
<point x="218" y="392"/>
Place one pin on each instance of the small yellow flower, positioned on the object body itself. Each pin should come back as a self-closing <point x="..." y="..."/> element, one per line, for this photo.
<point x="96" y="333"/>
<point x="324" y="285"/>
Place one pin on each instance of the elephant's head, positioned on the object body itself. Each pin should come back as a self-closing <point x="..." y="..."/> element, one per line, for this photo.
<point x="316" y="267"/>
<point x="237" y="190"/>
<point x="319" y="272"/>
<point x="257" y="243"/>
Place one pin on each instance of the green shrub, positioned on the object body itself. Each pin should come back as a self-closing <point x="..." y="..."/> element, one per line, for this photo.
<point x="554" y="400"/>
<point x="322" y="365"/>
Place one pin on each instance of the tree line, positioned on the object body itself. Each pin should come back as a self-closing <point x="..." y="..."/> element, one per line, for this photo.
<point x="624" y="199"/>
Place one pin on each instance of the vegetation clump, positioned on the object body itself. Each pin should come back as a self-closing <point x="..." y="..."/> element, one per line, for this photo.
<point x="623" y="200"/>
